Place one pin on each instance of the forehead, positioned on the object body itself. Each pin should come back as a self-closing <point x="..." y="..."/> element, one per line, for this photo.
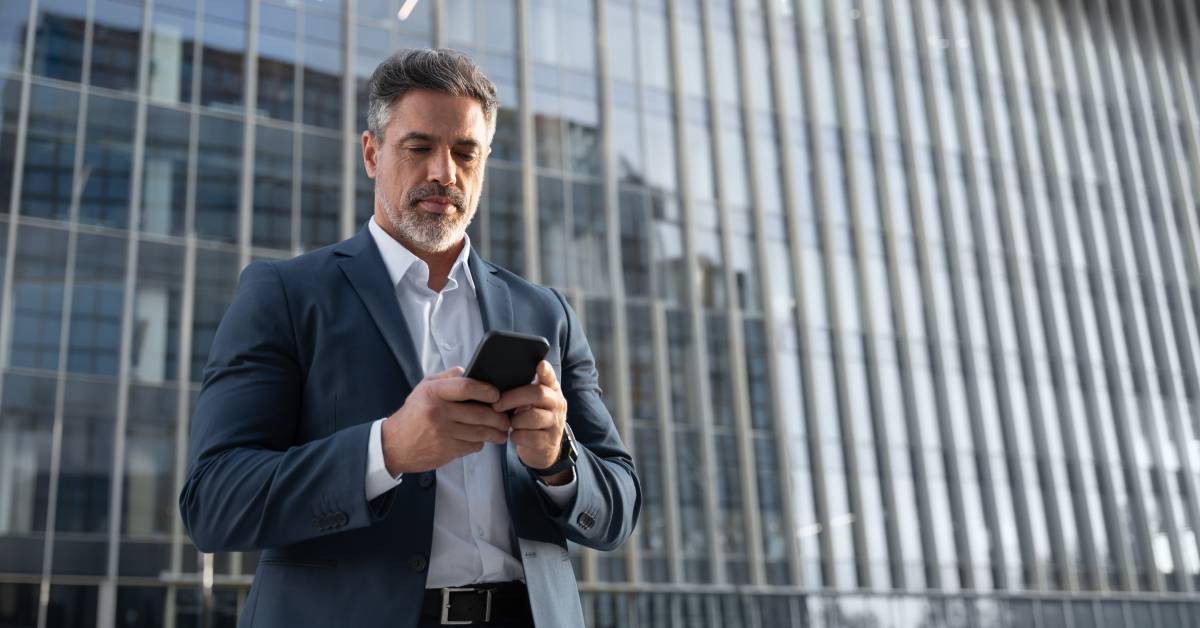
<point x="442" y="115"/>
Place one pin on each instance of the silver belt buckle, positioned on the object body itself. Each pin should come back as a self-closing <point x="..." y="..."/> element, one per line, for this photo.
<point x="446" y="621"/>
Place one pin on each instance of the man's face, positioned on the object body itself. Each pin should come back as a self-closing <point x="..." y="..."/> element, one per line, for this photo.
<point x="428" y="170"/>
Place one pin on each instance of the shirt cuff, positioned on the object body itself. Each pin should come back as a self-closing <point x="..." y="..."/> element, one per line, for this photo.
<point x="563" y="494"/>
<point x="379" y="481"/>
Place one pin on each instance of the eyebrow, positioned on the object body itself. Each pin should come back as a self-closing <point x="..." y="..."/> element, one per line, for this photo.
<point x="427" y="137"/>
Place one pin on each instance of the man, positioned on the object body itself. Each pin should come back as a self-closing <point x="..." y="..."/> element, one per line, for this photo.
<point x="455" y="507"/>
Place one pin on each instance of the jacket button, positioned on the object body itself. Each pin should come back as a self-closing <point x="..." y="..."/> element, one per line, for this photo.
<point x="417" y="563"/>
<point x="341" y="519"/>
<point x="585" y="520"/>
<point x="319" y="522"/>
<point x="426" y="479"/>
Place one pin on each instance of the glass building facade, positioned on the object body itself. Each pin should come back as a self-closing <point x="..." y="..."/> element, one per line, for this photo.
<point x="896" y="302"/>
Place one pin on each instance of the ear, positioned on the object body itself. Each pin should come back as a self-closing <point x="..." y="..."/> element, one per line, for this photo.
<point x="370" y="154"/>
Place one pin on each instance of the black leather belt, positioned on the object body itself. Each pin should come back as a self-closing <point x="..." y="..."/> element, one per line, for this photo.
<point x="499" y="602"/>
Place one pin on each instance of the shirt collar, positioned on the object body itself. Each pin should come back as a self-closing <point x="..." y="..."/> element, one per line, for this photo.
<point x="399" y="260"/>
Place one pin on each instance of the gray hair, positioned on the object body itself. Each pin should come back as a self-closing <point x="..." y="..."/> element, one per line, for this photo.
<point x="436" y="69"/>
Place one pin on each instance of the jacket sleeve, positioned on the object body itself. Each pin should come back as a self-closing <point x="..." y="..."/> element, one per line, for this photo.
<point x="249" y="485"/>
<point x="609" y="495"/>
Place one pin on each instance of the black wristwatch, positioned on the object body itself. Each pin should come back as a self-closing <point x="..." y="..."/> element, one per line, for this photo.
<point x="567" y="455"/>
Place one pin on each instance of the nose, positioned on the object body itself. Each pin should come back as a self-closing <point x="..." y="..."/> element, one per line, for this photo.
<point x="442" y="168"/>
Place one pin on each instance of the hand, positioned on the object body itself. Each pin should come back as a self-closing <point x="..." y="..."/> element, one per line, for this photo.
<point x="442" y="421"/>
<point x="541" y="413"/>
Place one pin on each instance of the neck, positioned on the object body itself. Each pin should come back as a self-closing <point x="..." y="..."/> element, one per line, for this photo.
<point x="439" y="263"/>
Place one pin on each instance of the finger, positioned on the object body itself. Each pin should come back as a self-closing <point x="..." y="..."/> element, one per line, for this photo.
<point x="454" y="371"/>
<point x="463" y="447"/>
<point x="546" y="376"/>
<point x="476" y="433"/>
<point x="477" y="414"/>
<point x="466" y="389"/>
<point x="536" y="395"/>
<point x="534" y="419"/>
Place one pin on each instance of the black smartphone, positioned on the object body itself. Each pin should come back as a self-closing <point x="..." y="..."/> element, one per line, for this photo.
<point x="506" y="359"/>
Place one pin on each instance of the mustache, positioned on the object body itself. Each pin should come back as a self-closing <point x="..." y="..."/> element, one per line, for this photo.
<point x="427" y="190"/>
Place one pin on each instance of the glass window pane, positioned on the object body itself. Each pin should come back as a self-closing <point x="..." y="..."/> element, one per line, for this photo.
<point x="218" y="178"/>
<point x="216" y="278"/>
<point x="320" y="191"/>
<point x="149" y="501"/>
<point x="96" y="301"/>
<point x="164" y="180"/>
<point x="277" y="61"/>
<point x="72" y="605"/>
<point x="223" y="57"/>
<point x="506" y="236"/>
<point x="50" y="152"/>
<point x="116" y="37"/>
<point x="38" y="297"/>
<point x="10" y="107"/>
<point x="154" y="355"/>
<point x="82" y="515"/>
<point x="552" y="230"/>
<point x="25" y="440"/>
<point x="589" y="242"/>
<point x="171" y="45"/>
<point x="322" y="72"/>
<point x="107" y="162"/>
<point x="273" y="203"/>
<point x="14" y="24"/>
<point x="58" y="47"/>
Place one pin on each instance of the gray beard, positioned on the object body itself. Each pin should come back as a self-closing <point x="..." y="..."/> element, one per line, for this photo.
<point x="431" y="233"/>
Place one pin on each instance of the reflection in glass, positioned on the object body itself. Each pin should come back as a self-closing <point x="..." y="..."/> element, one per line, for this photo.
<point x="218" y="176"/>
<point x="154" y="354"/>
<point x="14" y="24"/>
<point x="58" y="42"/>
<point x="50" y="153"/>
<point x="89" y="415"/>
<point x="277" y="61"/>
<point x="222" y="60"/>
<point x="505" y="231"/>
<point x="96" y="302"/>
<point x="697" y="546"/>
<point x="635" y="242"/>
<point x="10" y="105"/>
<point x="140" y="607"/>
<point x="37" y="291"/>
<point x="320" y="191"/>
<point x="164" y="179"/>
<point x="272" y="223"/>
<point x="589" y="243"/>
<point x="216" y="278"/>
<point x="72" y="605"/>
<point x="172" y="48"/>
<point x="149" y="495"/>
<point x="25" y="441"/>
<point x="552" y="230"/>
<point x="116" y="37"/>
<point x="107" y="162"/>
<point x="322" y="72"/>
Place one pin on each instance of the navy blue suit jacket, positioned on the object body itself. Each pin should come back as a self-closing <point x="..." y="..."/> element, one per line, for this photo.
<point x="311" y="351"/>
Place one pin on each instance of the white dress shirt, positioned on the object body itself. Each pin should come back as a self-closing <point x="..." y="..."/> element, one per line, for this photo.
<point x="472" y="540"/>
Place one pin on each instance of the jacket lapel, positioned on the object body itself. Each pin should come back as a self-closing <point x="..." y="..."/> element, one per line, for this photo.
<point x="363" y="266"/>
<point x="495" y="302"/>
